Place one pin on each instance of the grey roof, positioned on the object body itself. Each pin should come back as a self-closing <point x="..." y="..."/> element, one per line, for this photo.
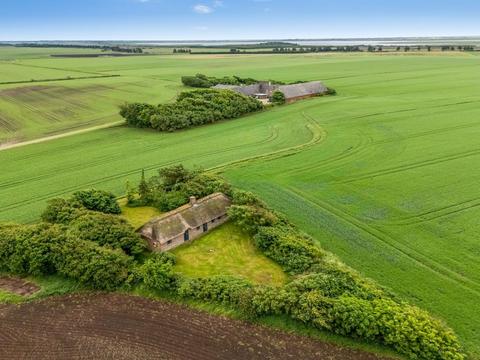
<point x="176" y="222"/>
<point x="290" y="91"/>
<point x="303" y="89"/>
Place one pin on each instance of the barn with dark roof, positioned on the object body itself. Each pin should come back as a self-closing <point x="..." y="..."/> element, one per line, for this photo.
<point x="186" y="223"/>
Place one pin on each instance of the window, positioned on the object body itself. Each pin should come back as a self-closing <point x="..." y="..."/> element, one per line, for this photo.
<point x="205" y="227"/>
<point x="169" y="242"/>
<point x="186" y="235"/>
<point x="213" y="221"/>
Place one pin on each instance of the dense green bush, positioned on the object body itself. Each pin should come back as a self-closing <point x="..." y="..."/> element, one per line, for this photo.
<point x="251" y="218"/>
<point x="196" y="81"/>
<point x="137" y="114"/>
<point x="92" y="265"/>
<point x="278" y="98"/>
<point x="223" y="289"/>
<point x="191" y="109"/>
<point x="107" y="230"/>
<point x="29" y="249"/>
<point x="157" y="271"/>
<point x="409" y="330"/>
<point x="62" y="211"/>
<point x="293" y="250"/>
<point x="98" y="200"/>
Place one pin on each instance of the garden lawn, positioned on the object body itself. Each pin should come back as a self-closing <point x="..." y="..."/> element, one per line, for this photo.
<point x="138" y="216"/>
<point x="227" y="251"/>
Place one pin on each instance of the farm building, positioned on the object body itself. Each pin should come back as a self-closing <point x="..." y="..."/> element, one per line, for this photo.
<point x="186" y="223"/>
<point x="293" y="92"/>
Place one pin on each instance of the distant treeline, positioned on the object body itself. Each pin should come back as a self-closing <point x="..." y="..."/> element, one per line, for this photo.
<point x="192" y="108"/>
<point x="131" y="50"/>
<point x="204" y="81"/>
<point x="318" y="49"/>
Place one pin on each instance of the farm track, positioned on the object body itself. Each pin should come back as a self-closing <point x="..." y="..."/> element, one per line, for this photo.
<point x="114" y="326"/>
<point x="380" y="235"/>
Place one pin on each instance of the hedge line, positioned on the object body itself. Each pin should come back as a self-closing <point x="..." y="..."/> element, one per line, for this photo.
<point x="191" y="108"/>
<point x="98" y="250"/>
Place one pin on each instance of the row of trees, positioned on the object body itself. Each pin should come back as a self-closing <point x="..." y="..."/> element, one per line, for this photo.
<point x="115" y="48"/>
<point x="191" y="109"/>
<point x="204" y="81"/>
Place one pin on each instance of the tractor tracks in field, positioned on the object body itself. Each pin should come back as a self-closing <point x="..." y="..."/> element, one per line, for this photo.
<point x="318" y="133"/>
<point x="386" y="239"/>
<point x="273" y="135"/>
<point x="436" y="213"/>
<point x="411" y="166"/>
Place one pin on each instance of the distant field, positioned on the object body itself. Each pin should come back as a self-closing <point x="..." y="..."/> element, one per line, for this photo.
<point x="385" y="174"/>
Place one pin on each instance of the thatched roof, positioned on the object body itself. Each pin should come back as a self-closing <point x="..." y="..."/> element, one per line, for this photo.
<point x="190" y="216"/>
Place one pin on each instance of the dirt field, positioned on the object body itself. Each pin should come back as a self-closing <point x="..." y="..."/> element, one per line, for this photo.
<point x="113" y="326"/>
<point x="18" y="286"/>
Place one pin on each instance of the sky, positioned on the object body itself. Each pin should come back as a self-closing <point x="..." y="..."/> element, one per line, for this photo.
<point x="24" y="20"/>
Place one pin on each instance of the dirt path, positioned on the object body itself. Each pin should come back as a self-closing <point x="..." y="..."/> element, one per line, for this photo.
<point x="113" y="326"/>
<point x="11" y="145"/>
<point x="18" y="286"/>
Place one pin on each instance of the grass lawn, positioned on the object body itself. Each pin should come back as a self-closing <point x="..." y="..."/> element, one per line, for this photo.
<point x="227" y="251"/>
<point x="138" y="216"/>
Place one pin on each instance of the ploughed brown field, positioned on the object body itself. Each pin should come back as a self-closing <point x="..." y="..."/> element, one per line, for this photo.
<point x="113" y="326"/>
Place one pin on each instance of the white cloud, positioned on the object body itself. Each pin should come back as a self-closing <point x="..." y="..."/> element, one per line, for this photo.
<point x="202" y="9"/>
<point x="218" y="3"/>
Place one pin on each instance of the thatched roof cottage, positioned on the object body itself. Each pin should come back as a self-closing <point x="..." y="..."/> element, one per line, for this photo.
<point x="186" y="223"/>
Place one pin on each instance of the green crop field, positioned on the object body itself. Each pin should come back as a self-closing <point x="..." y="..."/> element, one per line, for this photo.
<point x="385" y="174"/>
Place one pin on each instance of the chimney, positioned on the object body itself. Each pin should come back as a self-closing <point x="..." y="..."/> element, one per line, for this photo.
<point x="193" y="200"/>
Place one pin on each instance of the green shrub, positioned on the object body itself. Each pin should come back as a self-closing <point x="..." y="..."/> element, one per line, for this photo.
<point x="251" y="218"/>
<point x="409" y="330"/>
<point x="195" y="81"/>
<point x="28" y="249"/>
<point x="293" y="250"/>
<point x="223" y="289"/>
<point x="98" y="200"/>
<point x="278" y="98"/>
<point x="137" y="114"/>
<point x="157" y="271"/>
<point x="93" y="265"/>
<point x="109" y="230"/>
<point x="62" y="211"/>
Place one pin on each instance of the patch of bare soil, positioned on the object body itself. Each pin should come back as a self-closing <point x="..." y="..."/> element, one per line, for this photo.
<point x="113" y="326"/>
<point x="18" y="286"/>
